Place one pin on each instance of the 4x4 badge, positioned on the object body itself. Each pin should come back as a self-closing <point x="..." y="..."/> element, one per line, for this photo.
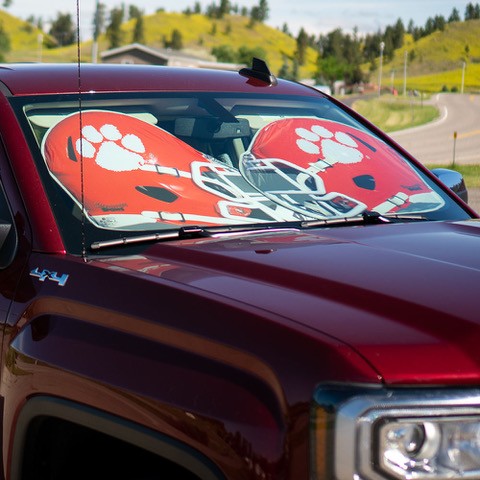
<point x="48" y="275"/>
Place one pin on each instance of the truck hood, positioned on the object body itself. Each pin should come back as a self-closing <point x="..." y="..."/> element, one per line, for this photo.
<point x="403" y="296"/>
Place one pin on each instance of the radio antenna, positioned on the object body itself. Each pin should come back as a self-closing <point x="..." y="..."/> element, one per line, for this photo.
<point x="80" y="126"/>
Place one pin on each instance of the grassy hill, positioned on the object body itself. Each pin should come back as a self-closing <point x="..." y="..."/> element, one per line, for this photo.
<point x="24" y="37"/>
<point x="199" y="35"/>
<point x="436" y="61"/>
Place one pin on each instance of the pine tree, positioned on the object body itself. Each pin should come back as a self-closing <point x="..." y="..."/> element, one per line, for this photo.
<point x="454" y="16"/>
<point x="139" y="31"/>
<point x="176" y="42"/>
<point x="302" y="44"/>
<point x="114" y="32"/>
<point x="63" y="29"/>
<point x="99" y="19"/>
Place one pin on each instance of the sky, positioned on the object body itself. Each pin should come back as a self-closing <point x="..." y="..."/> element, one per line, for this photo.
<point x="315" y="16"/>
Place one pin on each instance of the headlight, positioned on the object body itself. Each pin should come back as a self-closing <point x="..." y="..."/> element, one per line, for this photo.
<point x="401" y="434"/>
<point x="430" y="447"/>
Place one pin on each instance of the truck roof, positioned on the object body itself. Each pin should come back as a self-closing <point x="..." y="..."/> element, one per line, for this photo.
<point x="30" y="79"/>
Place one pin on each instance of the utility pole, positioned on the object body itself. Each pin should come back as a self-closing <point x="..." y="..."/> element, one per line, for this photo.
<point x="98" y="21"/>
<point x="382" y="46"/>
<point x="40" y="47"/>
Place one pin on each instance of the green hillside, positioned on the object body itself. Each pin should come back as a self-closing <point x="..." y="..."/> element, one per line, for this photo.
<point x="435" y="62"/>
<point x="25" y="39"/>
<point x="199" y="35"/>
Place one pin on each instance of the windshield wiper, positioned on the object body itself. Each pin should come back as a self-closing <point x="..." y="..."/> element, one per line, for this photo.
<point x="366" y="218"/>
<point x="195" y="232"/>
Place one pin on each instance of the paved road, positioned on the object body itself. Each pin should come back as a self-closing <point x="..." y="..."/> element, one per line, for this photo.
<point x="435" y="143"/>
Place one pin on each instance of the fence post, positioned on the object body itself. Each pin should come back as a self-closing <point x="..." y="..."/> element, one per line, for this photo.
<point x="454" y="145"/>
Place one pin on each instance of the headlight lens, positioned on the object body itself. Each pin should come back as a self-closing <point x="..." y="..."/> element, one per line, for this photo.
<point x="430" y="448"/>
<point x="376" y="434"/>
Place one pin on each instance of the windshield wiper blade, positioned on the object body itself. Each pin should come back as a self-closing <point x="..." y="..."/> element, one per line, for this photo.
<point x="368" y="217"/>
<point x="145" y="238"/>
<point x="194" y="232"/>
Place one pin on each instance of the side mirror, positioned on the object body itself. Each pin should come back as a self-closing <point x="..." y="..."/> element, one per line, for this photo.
<point x="453" y="180"/>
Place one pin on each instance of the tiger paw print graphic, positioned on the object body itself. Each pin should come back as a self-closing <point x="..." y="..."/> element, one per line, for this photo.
<point x="327" y="147"/>
<point x="110" y="149"/>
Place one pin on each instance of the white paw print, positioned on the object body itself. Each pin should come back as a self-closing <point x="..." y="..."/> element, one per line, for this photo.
<point x="110" y="149"/>
<point x="331" y="147"/>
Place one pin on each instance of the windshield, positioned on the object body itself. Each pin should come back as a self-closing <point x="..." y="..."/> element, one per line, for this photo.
<point x="149" y="162"/>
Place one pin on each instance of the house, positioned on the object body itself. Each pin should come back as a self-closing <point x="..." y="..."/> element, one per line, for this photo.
<point x="137" y="53"/>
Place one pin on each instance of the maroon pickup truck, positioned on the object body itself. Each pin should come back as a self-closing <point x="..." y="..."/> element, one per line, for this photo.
<point x="218" y="275"/>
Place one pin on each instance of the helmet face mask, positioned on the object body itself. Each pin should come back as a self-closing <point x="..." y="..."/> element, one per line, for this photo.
<point x="296" y="188"/>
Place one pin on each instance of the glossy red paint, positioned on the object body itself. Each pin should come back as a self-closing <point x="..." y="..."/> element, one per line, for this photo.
<point x="206" y="352"/>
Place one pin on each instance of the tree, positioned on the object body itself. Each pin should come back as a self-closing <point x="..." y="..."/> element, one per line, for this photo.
<point x="114" y="32"/>
<point x="286" y="30"/>
<point x="332" y="44"/>
<point x="341" y="55"/>
<point x="259" y="13"/>
<point x="176" y="40"/>
<point x="245" y="54"/>
<point x="398" y="34"/>
<point x="263" y="10"/>
<point x="289" y="73"/>
<point x="212" y="11"/>
<point x="36" y="22"/>
<point x="7" y="3"/>
<point x="224" y="8"/>
<point x="134" y="12"/>
<point x="330" y="69"/>
<point x="224" y="53"/>
<point x="63" y="29"/>
<point x="472" y="12"/>
<point x="439" y="23"/>
<point x="138" y="31"/>
<point x="284" y="70"/>
<point x="99" y="19"/>
<point x="302" y="44"/>
<point x="454" y="16"/>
